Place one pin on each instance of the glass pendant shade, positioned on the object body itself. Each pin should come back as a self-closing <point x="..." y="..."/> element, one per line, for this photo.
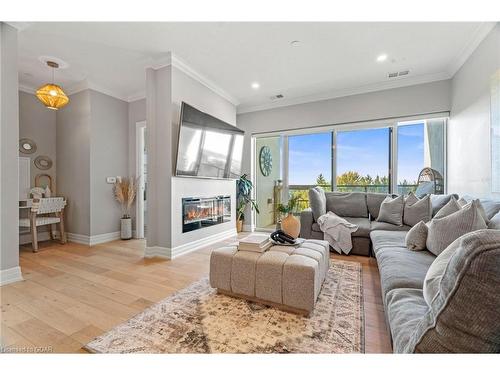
<point x="52" y="96"/>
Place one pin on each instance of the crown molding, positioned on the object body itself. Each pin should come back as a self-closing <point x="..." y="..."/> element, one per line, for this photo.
<point x="137" y="96"/>
<point x="89" y="85"/>
<point x="19" y="26"/>
<point x="27" y="89"/>
<point x="378" y="86"/>
<point x="170" y="59"/>
<point x="476" y="38"/>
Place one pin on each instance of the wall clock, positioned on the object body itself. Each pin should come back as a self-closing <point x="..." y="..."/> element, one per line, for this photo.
<point x="265" y="160"/>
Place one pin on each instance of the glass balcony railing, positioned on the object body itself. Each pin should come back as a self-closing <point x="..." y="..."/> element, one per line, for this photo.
<point x="302" y="191"/>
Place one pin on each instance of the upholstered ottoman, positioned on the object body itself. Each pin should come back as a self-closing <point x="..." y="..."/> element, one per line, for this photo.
<point x="287" y="277"/>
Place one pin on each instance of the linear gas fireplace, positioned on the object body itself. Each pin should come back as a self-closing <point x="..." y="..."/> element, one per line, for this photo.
<point x="199" y="213"/>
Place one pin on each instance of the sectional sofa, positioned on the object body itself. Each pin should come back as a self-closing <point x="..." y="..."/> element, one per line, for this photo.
<point x="465" y="316"/>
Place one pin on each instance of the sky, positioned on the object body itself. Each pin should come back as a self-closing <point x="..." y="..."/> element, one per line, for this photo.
<point x="364" y="151"/>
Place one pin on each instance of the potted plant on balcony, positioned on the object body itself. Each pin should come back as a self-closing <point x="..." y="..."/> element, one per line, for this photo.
<point x="125" y="190"/>
<point x="290" y="225"/>
<point x="244" y="198"/>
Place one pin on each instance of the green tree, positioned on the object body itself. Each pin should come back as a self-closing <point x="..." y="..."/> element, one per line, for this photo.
<point x="349" y="178"/>
<point x="321" y="180"/>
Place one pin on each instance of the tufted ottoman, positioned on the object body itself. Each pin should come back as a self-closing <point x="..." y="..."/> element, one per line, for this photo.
<point x="287" y="277"/>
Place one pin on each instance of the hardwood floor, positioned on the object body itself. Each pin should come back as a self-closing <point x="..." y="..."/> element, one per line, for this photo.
<point x="73" y="293"/>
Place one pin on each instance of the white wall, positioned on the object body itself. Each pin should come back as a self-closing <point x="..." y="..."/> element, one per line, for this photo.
<point x="9" y="138"/>
<point x="469" y="164"/>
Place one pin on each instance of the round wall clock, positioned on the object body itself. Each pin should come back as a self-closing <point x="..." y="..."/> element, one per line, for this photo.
<point x="265" y="161"/>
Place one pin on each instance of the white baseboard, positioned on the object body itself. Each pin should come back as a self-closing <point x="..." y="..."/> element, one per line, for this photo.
<point x="25" y="238"/>
<point x="83" y="239"/>
<point x="171" y="253"/>
<point x="10" y="275"/>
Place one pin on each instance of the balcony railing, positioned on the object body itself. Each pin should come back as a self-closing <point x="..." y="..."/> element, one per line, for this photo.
<point x="303" y="191"/>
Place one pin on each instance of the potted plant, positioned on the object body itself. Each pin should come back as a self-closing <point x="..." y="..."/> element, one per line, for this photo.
<point x="125" y="190"/>
<point x="244" y="198"/>
<point x="290" y="224"/>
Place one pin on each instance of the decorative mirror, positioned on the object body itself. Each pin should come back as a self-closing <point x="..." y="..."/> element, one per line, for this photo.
<point x="27" y="146"/>
<point x="265" y="161"/>
<point x="43" y="162"/>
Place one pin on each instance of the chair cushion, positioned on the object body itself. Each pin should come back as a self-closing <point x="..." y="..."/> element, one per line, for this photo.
<point x="42" y="220"/>
<point x="347" y="204"/>
<point x="417" y="236"/>
<point x="443" y="231"/>
<point x="379" y="225"/>
<point x="391" y="210"/>
<point x="405" y="308"/>
<point x="317" y="202"/>
<point x="416" y="210"/>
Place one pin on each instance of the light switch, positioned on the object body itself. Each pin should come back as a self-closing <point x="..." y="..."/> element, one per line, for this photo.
<point x="110" y="180"/>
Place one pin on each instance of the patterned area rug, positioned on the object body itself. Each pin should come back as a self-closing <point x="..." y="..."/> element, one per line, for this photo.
<point x="198" y="320"/>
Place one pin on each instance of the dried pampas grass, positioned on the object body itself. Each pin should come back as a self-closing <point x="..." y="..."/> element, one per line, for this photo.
<point x="125" y="191"/>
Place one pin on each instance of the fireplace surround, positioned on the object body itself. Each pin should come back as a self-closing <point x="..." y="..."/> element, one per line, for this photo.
<point x="198" y="212"/>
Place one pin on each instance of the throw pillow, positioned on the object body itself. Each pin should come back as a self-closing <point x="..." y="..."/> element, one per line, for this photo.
<point x="443" y="231"/>
<point x="416" y="237"/>
<point x="494" y="222"/>
<point x="462" y="202"/>
<point x="490" y="206"/>
<point x="416" y="210"/>
<point x="449" y="208"/>
<point x="391" y="210"/>
<point x="437" y="270"/>
<point x="317" y="202"/>
<point x="439" y="200"/>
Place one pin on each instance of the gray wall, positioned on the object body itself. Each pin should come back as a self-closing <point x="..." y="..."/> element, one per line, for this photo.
<point x="73" y="156"/>
<point x="39" y="124"/>
<point x="9" y="137"/>
<point x="469" y="150"/>
<point x="108" y="157"/>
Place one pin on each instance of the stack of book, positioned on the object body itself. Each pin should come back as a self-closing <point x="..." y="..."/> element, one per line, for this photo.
<point x="255" y="242"/>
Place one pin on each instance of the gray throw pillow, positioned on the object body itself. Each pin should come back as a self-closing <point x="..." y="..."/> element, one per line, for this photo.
<point x="437" y="270"/>
<point x="443" y="231"/>
<point x="416" y="210"/>
<point x="451" y="207"/>
<point x="462" y="202"/>
<point x="491" y="207"/>
<point x="416" y="237"/>
<point x="391" y="210"/>
<point x="438" y="201"/>
<point x="317" y="202"/>
<point x="494" y="222"/>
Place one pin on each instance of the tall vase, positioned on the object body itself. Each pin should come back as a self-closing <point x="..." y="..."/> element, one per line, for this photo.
<point x="291" y="225"/>
<point x="126" y="229"/>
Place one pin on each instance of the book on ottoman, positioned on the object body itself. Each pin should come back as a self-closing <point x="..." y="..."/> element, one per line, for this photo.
<point x="255" y="242"/>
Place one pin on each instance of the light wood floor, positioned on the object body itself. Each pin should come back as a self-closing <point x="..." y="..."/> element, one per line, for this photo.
<point x="73" y="293"/>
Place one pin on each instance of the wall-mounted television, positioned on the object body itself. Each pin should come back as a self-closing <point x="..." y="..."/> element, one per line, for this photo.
<point x="208" y="147"/>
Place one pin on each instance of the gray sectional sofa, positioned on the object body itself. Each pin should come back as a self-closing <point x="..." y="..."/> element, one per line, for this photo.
<point x="465" y="315"/>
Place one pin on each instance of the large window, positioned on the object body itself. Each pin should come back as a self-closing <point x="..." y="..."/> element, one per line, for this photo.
<point x="363" y="160"/>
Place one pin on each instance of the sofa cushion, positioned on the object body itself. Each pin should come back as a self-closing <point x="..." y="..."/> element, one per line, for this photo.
<point x="391" y="210"/>
<point x="443" y="231"/>
<point x="380" y="225"/>
<point x="363" y="224"/>
<point x="402" y="268"/>
<point x="437" y="270"/>
<point x="416" y="210"/>
<point x="387" y="238"/>
<point x="417" y="236"/>
<point x="438" y="201"/>
<point x="450" y="207"/>
<point x="316" y="228"/>
<point x="405" y="308"/>
<point x="373" y="201"/>
<point x="463" y="317"/>
<point x="347" y="204"/>
<point x="491" y="207"/>
<point x="317" y="202"/>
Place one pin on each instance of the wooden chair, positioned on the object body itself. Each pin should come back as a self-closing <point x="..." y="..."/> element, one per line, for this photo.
<point x="52" y="211"/>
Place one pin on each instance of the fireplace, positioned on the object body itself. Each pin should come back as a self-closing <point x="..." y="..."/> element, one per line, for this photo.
<point x="199" y="212"/>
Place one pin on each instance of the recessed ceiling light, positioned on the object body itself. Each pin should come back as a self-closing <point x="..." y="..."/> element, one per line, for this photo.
<point x="295" y="43"/>
<point x="255" y="85"/>
<point x="382" y="57"/>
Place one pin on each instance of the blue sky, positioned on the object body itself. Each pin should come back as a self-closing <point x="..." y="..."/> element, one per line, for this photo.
<point x="364" y="151"/>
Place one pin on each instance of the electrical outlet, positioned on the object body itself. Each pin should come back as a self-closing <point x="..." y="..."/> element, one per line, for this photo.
<point x="110" y="180"/>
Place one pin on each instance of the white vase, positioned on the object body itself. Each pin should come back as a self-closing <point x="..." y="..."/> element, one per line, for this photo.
<point x="126" y="229"/>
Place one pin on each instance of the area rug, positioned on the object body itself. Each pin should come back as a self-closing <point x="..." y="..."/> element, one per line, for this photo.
<point x="198" y="320"/>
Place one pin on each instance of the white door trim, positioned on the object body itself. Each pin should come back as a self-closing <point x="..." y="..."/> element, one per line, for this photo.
<point x="139" y="163"/>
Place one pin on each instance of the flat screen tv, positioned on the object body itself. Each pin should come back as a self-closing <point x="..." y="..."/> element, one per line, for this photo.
<point x="208" y="147"/>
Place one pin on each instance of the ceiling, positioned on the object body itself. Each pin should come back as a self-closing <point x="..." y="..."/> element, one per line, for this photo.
<point x="332" y="59"/>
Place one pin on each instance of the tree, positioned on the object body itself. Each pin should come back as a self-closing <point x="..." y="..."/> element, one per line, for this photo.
<point x="321" y="180"/>
<point x="349" y="178"/>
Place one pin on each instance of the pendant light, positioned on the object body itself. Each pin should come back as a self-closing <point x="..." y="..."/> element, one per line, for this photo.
<point x="52" y="95"/>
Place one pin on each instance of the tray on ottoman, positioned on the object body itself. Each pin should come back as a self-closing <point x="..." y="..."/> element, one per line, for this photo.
<point x="286" y="277"/>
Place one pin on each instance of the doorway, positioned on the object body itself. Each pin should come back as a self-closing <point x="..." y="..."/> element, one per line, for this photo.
<point x="141" y="173"/>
